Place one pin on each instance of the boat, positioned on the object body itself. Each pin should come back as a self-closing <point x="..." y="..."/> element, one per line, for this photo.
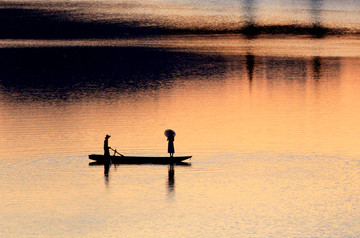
<point x="123" y="159"/>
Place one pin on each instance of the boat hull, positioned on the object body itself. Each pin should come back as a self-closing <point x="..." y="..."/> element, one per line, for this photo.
<point x="138" y="159"/>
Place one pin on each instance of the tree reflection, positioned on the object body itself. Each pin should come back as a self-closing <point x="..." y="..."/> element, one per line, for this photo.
<point x="289" y="69"/>
<point x="316" y="68"/>
<point x="250" y="66"/>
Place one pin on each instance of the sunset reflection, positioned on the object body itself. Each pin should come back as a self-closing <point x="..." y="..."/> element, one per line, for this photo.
<point x="264" y="95"/>
<point x="293" y="106"/>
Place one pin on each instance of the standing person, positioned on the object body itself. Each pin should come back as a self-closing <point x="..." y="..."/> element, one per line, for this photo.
<point x="106" y="146"/>
<point x="170" y="137"/>
<point x="107" y="160"/>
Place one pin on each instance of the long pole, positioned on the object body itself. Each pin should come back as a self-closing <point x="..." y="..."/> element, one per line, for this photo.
<point x="115" y="151"/>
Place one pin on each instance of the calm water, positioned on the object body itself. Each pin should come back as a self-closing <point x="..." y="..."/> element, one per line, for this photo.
<point x="272" y="120"/>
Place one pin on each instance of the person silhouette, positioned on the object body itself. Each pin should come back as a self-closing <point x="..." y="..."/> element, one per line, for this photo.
<point x="106" y="146"/>
<point x="170" y="138"/>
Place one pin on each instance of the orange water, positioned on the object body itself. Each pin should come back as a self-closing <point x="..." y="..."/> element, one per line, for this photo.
<point x="272" y="127"/>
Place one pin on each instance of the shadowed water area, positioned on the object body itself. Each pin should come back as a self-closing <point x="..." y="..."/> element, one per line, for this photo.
<point x="118" y="19"/>
<point x="265" y="95"/>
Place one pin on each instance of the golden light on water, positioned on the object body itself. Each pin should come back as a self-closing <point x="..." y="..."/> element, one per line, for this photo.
<point x="271" y="122"/>
<point x="299" y="104"/>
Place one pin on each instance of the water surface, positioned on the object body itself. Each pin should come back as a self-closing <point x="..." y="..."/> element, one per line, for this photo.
<point x="270" y="119"/>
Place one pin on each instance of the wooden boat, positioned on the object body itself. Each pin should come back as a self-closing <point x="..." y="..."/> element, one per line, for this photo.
<point x="139" y="159"/>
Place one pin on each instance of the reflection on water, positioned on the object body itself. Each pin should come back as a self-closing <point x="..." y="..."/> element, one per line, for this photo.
<point x="171" y="179"/>
<point x="112" y="19"/>
<point x="250" y="65"/>
<point x="269" y="107"/>
<point x="65" y="73"/>
<point x="106" y="169"/>
<point x="89" y="87"/>
<point x="272" y="125"/>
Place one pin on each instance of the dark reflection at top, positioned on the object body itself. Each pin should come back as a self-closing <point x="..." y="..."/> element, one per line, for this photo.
<point x="286" y="68"/>
<point x="325" y="68"/>
<point x="45" y="20"/>
<point x="50" y="74"/>
<point x="289" y="70"/>
<point x="250" y="66"/>
<point x="316" y="68"/>
<point x="67" y="73"/>
<point x="301" y="69"/>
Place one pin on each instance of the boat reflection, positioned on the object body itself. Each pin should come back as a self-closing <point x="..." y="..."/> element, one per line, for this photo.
<point x="171" y="172"/>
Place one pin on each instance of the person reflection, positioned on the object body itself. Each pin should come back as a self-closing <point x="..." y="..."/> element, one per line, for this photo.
<point x="106" y="169"/>
<point x="106" y="176"/>
<point x="171" y="178"/>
